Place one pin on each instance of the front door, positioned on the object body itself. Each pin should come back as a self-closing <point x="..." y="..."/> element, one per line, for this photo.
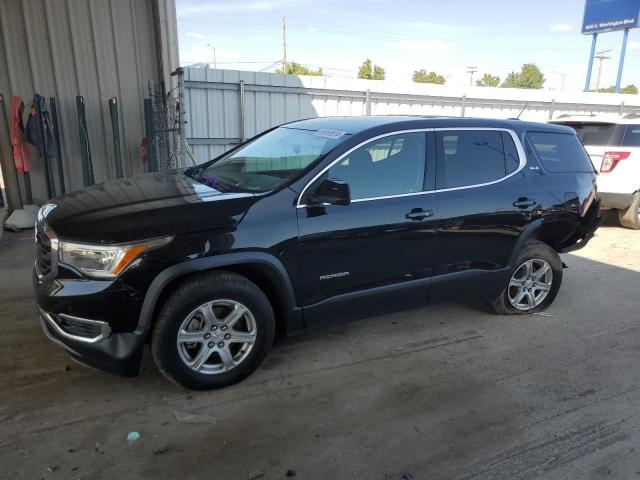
<point x="376" y="254"/>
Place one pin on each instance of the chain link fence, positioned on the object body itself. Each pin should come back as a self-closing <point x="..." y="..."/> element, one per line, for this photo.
<point x="165" y="126"/>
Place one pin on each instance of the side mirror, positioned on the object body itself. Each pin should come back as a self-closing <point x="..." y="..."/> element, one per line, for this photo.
<point x="331" y="192"/>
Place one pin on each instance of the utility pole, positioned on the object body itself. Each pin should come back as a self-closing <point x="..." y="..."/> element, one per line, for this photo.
<point x="601" y="56"/>
<point x="471" y="71"/>
<point x="214" y="55"/>
<point x="284" y="44"/>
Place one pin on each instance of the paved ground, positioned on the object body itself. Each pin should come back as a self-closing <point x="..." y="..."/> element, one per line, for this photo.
<point x="439" y="393"/>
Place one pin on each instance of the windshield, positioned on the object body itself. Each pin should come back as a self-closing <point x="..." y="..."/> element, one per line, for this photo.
<point x="270" y="160"/>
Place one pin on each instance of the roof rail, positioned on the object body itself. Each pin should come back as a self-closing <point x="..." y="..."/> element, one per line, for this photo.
<point x="566" y="115"/>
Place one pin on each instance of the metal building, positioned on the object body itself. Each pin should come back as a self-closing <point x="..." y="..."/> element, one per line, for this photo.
<point x="95" y="48"/>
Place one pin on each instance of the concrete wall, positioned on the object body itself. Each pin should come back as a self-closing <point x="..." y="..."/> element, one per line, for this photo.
<point x="215" y="122"/>
<point x="95" y="48"/>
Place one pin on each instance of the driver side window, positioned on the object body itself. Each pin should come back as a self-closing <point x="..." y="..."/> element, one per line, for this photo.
<point x="392" y="165"/>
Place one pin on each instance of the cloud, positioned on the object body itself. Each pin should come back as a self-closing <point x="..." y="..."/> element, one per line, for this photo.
<point x="203" y="54"/>
<point x="436" y="46"/>
<point x="204" y="8"/>
<point x="205" y="37"/>
<point x="560" y="27"/>
<point x="438" y="27"/>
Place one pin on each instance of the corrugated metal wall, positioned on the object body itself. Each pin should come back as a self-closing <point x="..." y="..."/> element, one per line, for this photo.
<point x="214" y="106"/>
<point x="95" y="48"/>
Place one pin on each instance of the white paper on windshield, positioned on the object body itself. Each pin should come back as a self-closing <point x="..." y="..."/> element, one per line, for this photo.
<point x="330" y="133"/>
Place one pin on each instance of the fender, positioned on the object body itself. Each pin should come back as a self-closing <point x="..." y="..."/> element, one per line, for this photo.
<point x="527" y="233"/>
<point x="294" y="320"/>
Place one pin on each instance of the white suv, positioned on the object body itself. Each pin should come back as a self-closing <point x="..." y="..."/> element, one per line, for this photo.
<point x="613" y="143"/>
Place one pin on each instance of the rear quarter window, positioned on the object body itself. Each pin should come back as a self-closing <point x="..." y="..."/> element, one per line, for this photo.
<point x="632" y="136"/>
<point x="559" y="152"/>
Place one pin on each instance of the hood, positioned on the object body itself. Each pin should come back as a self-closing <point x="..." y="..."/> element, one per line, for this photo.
<point x="142" y="207"/>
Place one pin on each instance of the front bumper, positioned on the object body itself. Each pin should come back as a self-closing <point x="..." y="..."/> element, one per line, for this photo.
<point x="70" y="321"/>
<point x="118" y="353"/>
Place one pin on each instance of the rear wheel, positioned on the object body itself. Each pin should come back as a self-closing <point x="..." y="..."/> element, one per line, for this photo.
<point x="533" y="284"/>
<point x="630" y="218"/>
<point x="213" y="331"/>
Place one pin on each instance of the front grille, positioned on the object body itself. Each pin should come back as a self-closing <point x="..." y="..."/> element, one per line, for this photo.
<point x="44" y="259"/>
<point x="78" y="327"/>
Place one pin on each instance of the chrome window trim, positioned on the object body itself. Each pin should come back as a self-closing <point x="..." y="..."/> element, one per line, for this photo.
<point x="105" y="329"/>
<point x="516" y="140"/>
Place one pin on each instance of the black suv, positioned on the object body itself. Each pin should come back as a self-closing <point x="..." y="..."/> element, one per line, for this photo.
<point x="310" y="223"/>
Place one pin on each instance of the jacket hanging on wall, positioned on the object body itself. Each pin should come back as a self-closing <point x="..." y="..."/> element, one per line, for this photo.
<point x="19" y="147"/>
<point x="33" y="133"/>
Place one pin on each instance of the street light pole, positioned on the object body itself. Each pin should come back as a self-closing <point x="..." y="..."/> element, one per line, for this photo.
<point x="564" y="76"/>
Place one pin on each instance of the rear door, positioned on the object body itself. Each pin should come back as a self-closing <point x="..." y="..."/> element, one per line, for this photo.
<point x="484" y="202"/>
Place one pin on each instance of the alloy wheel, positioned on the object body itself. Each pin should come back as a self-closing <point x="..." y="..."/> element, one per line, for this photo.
<point x="216" y="337"/>
<point x="530" y="284"/>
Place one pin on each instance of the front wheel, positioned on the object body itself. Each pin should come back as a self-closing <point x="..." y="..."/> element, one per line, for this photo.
<point x="533" y="284"/>
<point x="213" y="331"/>
<point x="630" y="218"/>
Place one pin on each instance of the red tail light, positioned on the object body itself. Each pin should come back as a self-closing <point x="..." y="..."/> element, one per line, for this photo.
<point x="610" y="160"/>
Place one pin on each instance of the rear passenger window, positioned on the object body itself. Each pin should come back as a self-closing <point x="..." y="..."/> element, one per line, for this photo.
<point x="473" y="157"/>
<point x="560" y="152"/>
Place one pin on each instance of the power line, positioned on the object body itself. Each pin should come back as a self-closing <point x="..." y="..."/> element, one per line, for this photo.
<point x="379" y="34"/>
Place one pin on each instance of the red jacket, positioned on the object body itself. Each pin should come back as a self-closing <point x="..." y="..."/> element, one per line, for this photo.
<point x="20" y="150"/>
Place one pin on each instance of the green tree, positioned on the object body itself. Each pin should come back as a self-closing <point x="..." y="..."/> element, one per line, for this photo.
<point x="369" y="72"/>
<point x="293" y="68"/>
<point x="488" y="80"/>
<point x="530" y="76"/>
<point x="421" y="76"/>
<point x="629" y="89"/>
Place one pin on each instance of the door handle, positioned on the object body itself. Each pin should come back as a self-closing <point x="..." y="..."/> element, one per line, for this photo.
<point x="524" y="203"/>
<point x="418" y="214"/>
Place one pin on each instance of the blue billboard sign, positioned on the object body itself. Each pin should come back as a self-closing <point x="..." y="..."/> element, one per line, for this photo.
<point x="608" y="15"/>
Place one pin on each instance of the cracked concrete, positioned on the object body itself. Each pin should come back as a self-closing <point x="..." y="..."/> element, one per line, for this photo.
<point x="443" y="392"/>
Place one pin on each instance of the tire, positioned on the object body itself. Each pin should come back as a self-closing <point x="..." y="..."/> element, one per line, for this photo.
<point x="216" y="360"/>
<point x="630" y="218"/>
<point x="537" y="253"/>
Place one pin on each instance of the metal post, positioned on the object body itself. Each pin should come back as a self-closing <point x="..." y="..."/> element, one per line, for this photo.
<point x="622" y="55"/>
<point x="552" y="107"/>
<point x="242" y="113"/>
<point x="463" y="105"/>
<point x="367" y="101"/>
<point x="150" y="134"/>
<point x="587" y="84"/>
<point x="85" y="146"/>
<point x="183" y="118"/>
<point x="115" y="130"/>
<point x="56" y="133"/>
<point x="44" y="147"/>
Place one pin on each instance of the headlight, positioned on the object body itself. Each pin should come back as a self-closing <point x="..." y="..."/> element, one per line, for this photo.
<point x="105" y="261"/>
